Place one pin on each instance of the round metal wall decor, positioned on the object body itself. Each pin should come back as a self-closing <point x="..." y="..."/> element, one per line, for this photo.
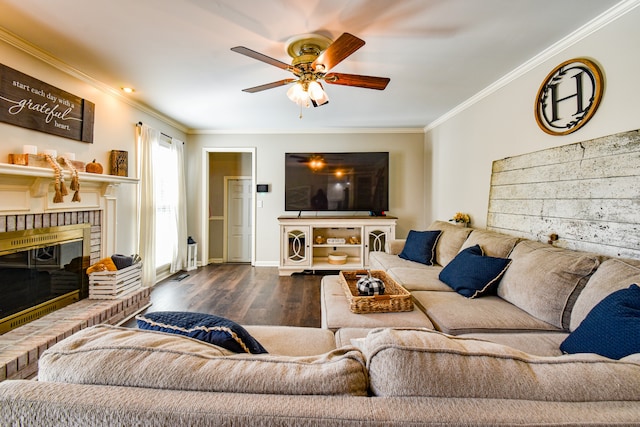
<point x="569" y="96"/>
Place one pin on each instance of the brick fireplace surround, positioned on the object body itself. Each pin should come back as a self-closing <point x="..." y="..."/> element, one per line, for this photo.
<point x="26" y="194"/>
<point x="21" y="348"/>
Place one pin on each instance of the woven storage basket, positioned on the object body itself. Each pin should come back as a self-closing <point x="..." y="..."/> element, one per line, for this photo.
<point x="395" y="297"/>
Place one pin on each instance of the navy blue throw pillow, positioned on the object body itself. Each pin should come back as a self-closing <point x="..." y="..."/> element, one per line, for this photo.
<point x="421" y="246"/>
<point x="472" y="274"/>
<point x="204" y="327"/>
<point x="612" y="327"/>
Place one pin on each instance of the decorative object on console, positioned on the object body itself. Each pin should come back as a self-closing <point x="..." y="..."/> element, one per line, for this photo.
<point x="461" y="218"/>
<point x="473" y="274"/>
<point x="204" y="327"/>
<point x="612" y="327"/>
<point x="336" y="241"/>
<point x="421" y="246"/>
<point x="337" y="257"/>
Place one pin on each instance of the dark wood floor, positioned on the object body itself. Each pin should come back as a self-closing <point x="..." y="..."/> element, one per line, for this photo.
<point x="245" y="294"/>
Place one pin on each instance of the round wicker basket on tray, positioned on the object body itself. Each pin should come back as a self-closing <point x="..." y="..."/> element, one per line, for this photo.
<point x="395" y="297"/>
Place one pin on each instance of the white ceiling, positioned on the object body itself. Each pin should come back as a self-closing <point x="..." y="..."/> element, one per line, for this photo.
<point x="176" y="53"/>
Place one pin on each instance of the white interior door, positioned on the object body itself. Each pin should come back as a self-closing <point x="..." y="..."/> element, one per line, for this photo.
<point x="239" y="216"/>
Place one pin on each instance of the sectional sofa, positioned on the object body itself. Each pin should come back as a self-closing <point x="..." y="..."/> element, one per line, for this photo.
<point x="493" y="359"/>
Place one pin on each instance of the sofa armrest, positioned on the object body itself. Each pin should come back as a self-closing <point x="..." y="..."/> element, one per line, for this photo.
<point x="394" y="246"/>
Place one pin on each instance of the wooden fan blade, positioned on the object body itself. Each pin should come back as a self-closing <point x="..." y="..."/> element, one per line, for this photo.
<point x="367" y="82"/>
<point x="337" y="51"/>
<point x="269" y="86"/>
<point x="264" y="58"/>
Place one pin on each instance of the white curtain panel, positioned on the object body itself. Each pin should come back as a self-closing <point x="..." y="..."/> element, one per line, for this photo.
<point x="179" y="259"/>
<point x="148" y="143"/>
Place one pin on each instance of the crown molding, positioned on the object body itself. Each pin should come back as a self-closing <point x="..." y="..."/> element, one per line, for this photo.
<point x="581" y="33"/>
<point x="40" y="54"/>
<point x="303" y="131"/>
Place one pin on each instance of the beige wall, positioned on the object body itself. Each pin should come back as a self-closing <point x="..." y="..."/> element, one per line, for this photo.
<point x="407" y="179"/>
<point x="114" y="129"/>
<point x="503" y="124"/>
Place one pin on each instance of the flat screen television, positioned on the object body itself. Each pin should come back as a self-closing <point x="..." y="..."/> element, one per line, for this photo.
<point x="337" y="182"/>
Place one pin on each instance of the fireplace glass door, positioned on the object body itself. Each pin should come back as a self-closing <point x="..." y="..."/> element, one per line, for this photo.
<point x="37" y="280"/>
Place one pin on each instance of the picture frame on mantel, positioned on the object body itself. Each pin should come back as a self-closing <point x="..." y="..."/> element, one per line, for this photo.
<point x="33" y="104"/>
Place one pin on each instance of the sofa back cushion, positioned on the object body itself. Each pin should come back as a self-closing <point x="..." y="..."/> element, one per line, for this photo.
<point x="450" y="242"/>
<point x="545" y="281"/>
<point x="493" y="244"/>
<point x="406" y="362"/>
<point x="109" y="355"/>
<point x="612" y="275"/>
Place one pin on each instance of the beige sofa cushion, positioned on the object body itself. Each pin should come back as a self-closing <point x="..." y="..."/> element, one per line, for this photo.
<point x="450" y="242"/>
<point x="351" y="336"/>
<point x="395" y="246"/>
<point x="428" y="363"/>
<point x="419" y="279"/>
<point x="493" y="244"/>
<point x="108" y="355"/>
<point x="545" y="281"/>
<point x="538" y="343"/>
<point x="293" y="340"/>
<point x="614" y="274"/>
<point x="385" y="261"/>
<point x="454" y="314"/>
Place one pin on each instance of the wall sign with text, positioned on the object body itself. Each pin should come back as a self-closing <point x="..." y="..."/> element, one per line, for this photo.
<point x="569" y="96"/>
<point x="33" y="104"/>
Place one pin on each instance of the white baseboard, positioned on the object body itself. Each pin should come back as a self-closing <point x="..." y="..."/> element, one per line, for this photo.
<point x="266" y="264"/>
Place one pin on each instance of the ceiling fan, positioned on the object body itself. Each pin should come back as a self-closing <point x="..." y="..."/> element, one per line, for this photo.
<point x="314" y="56"/>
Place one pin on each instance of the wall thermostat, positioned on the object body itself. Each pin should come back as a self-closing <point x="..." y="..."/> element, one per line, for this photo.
<point x="262" y="188"/>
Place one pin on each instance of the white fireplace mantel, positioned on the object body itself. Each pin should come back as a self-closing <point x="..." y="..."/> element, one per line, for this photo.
<point x="30" y="190"/>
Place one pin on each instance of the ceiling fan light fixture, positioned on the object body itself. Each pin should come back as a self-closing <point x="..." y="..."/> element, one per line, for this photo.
<point x="298" y="94"/>
<point x="317" y="94"/>
<point x="315" y="91"/>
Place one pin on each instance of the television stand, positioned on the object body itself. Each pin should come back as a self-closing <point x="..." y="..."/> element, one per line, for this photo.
<point x="306" y="242"/>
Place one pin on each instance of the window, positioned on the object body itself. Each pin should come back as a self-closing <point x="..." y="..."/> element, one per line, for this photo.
<point x="166" y="195"/>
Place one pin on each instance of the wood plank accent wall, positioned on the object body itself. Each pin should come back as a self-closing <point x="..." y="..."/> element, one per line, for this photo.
<point x="588" y="193"/>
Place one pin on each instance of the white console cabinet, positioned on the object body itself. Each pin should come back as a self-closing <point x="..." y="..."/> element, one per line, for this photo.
<point x="307" y="242"/>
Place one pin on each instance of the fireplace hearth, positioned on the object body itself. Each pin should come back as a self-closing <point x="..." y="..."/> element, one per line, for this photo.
<point x="42" y="270"/>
